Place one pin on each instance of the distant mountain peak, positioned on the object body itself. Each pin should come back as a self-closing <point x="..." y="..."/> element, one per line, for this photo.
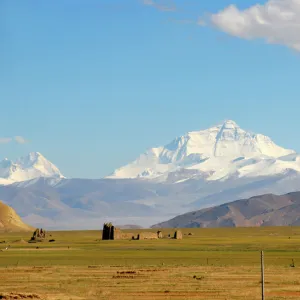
<point x="33" y="165"/>
<point x="227" y="124"/>
<point x="35" y="155"/>
<point x="212" y="151"/>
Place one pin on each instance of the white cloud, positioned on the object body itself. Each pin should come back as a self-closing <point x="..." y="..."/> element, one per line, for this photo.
<point x="162" y="5"/>
<point x="5" y="140"/>
<point x="18" y="139"/>
<point x="277" y="22"/>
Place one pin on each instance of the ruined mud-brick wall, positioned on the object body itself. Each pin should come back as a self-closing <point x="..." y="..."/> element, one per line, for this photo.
<point x="116" y="234"/>
<point x="159" y="234"/>
<point x="147" y="236"/>
<point x="178" y="235"/>
<point x="38" y="234"/>
<point x="111" y="232"/>
<point x="127" y="236"/>
<point x="107" y="233"/>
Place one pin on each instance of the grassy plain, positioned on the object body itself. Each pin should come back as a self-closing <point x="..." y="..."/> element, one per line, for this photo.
<point x="219" y="263"/>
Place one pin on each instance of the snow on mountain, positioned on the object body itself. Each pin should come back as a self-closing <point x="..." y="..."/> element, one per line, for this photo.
<point x="198" y="170"/>
<point x="32" y="166"/>
<point x="216" y="153"/>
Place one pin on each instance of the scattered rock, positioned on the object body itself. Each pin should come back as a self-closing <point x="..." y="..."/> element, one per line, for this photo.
<point x="198" y="278"/>
<point x="126" y="272"/>
<point x="10" y="296"/>
<point x="292" y="265"/>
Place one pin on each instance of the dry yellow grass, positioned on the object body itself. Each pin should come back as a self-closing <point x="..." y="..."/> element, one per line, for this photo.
<point x="210" y="264"/>
<point x="117" y="283"/>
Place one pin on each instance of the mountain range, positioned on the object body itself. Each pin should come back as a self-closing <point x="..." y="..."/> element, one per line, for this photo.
<point x="264" y="210"/>
<point x="34" y="165"/>
<point x="197" y="170"/>
<point x="217" y="153"/>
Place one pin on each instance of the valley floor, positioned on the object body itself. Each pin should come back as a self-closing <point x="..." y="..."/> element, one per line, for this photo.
<point x="210" y="264"/>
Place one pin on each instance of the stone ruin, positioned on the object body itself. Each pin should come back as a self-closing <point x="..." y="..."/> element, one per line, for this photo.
<point x="160" y="234"/>
<point x="38" y="235"/>
<point x="178" y="235"/>
<point x="147" y="236"/>
<point x="110" y="232"/>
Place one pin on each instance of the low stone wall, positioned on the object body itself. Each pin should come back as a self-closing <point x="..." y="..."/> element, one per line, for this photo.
<point x="112" y="233"/>
<point x="147" y="236"/>
<point x="127" y="236"/>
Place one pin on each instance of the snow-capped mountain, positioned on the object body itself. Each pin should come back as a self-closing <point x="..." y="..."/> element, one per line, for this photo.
<point x="32" y="166"/>
<point x="198" y="170"/>
<point x="216" y="153"/>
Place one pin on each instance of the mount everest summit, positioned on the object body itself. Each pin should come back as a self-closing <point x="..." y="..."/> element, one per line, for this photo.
<point x="197" y="170"/>
<point x="216" y="154"/>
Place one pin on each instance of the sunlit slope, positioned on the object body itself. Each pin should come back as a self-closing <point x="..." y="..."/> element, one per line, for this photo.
<point x="10" y="220"/>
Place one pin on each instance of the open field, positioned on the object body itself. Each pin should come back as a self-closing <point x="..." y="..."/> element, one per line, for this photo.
<point x="210" y="264"/>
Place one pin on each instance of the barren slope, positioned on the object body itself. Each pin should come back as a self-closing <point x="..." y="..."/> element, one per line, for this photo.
<point x="265" y="210"/>
<point x="10" y="221"/>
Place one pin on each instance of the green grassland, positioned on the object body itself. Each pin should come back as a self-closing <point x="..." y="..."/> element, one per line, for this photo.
<point x="225" y="262"/>
<point x="222" y="246"/>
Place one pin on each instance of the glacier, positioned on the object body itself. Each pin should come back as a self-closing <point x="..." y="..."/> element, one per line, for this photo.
<point x="216" y="153"/>
<point x="32" y="166"/>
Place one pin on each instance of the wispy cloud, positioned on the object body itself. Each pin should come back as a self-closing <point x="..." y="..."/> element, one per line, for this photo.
<point x="5" y="140"/>
<point x="162" y="5"/>
<point x="18" y="139"/>
<point x="276" y="22"/>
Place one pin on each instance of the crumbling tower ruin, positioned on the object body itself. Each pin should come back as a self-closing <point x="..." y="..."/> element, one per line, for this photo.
<point x="38" y="234"/>
<point x="110" y="232"/>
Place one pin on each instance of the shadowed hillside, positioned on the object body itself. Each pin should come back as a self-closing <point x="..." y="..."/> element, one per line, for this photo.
<point x="265" y="210"/>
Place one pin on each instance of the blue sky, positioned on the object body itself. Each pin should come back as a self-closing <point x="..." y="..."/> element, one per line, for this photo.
<point x="92" y="84"/>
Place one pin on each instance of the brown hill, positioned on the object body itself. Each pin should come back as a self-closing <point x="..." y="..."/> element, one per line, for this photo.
<point x="10" y="221"/>
<point x="265" y="210"/>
